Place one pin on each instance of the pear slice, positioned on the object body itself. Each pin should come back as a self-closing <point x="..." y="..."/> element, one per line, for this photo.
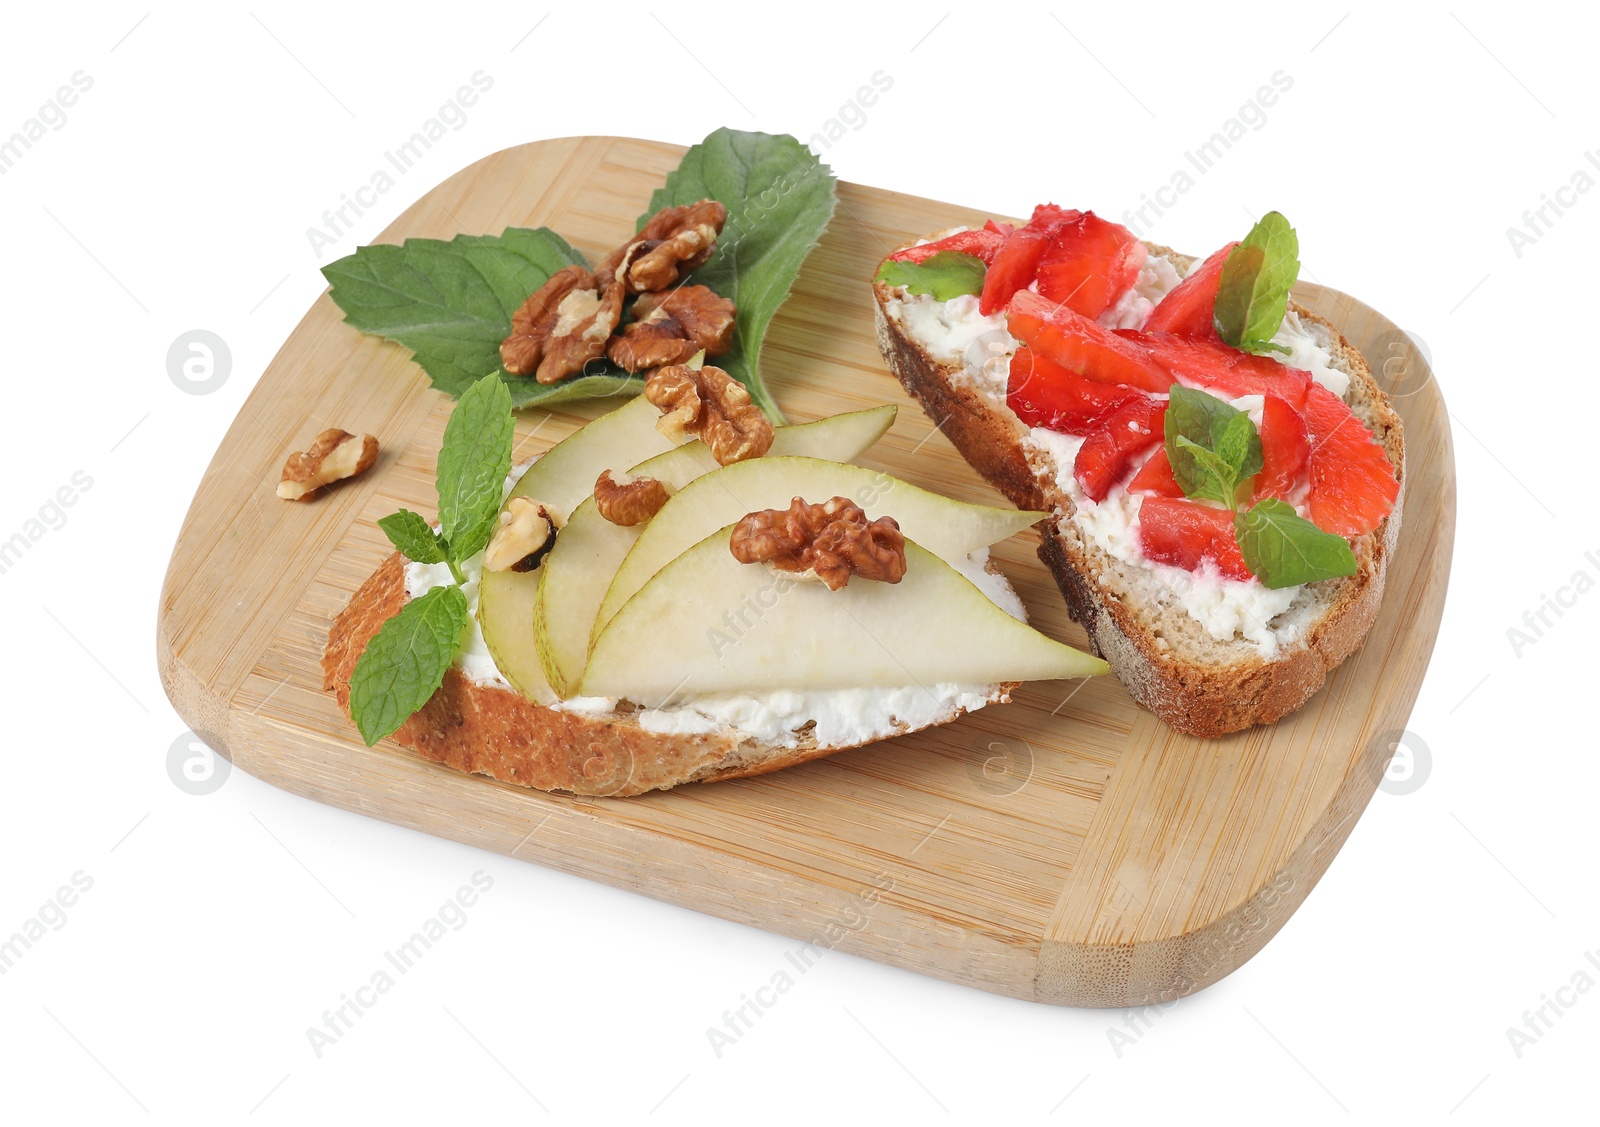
<point x="578" y="571"/>
<point x="949" y="529"/>
<point x="707" y="623"/>
<point x="561" y="478"/>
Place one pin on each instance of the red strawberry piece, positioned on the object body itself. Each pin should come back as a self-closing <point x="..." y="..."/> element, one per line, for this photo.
<point x="1184" y="534"/>
<point x="1044" y="394"/>
<point x="1089" y="264"/>
<point x="1017" y="261"/>
<point x="1155" y="477"/>
<point x="982" y="244"/>
<point x="1082" y="345"/>
<point x="1118" y="439"/>
<point x="1353" y="486"/>
<point x="1187" y="310"/>
<point x="998" y="227"/>
<point x="1285" y="449"/>
<point x="1222" y="370"/>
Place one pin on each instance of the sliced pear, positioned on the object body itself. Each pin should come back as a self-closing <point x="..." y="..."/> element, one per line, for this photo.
<point x="561" y="478"/>
<point x="949" y="529"/>
<point x="707" y="623"/>
<point x="578" y="571"/>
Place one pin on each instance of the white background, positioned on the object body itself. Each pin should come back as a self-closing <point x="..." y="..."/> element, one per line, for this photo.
<point x="219" y="927"/>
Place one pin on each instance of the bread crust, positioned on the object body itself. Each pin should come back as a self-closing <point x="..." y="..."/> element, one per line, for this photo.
<point x="1200" y="698"/>
<point x="488" y="730"/>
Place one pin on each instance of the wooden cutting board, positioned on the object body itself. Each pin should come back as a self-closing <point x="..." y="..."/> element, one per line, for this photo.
<point x="1067" y="848"/>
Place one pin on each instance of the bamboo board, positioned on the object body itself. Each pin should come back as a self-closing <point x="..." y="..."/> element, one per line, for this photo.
<point x="1067" y="848"/>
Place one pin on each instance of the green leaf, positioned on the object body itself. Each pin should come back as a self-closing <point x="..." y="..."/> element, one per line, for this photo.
<point x="413" y="536"/>
<point x="473" y="462"/>
<point x="945" y="274"/>
<point x="1253" y="293"/>
<point x="779" y="199"/>
<point x="1283" y="549"/>
<point x="405" y="662"/>
<point x="450" y="302"/>
<point x="1213" y="447"/>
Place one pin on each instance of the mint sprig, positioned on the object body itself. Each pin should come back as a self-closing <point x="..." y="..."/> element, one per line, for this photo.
<point x="779" y="199"/>
<point x="944" y="274"/>
<point x="473" y="462"/>
<point x="1283" y="549"/>
<point x="412" y="536"/>
<point x="1215" y="451"/>
<point x="451" y="303"/>
<point x="405" y="662"/>
<point x="1212" y="446"/>
<point x="1253" y="292"/>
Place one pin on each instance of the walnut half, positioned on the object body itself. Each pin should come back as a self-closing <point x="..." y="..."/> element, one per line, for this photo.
<point x="563" y="325"/>
<point x="674" y="242"/>
<point x="708" y="404"/>
<point x="833" y="541"/>
<point x="628" y="500"/>
<point x="669" y="328"/>
<point x="335" y="455"/>
<point x="524" y="536"/>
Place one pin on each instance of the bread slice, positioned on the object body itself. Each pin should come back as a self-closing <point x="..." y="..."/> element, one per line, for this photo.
<point x="1166" y="659"/>
<point x="488" y="730"/>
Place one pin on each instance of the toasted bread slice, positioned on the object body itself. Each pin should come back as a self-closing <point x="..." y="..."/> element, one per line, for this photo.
<point x="1166" y="659"/>
<point x="494" y="731"/>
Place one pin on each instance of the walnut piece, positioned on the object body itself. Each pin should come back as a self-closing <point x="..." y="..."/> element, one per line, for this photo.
<point x="335" y="455"/>
<point x="627" y="500"/>
<point x="524" y="536"/>
<point x="563" y="325"/>
<point x="833" y="541"/>
<point x="670" y="328"/>
<point x="712" y="406"/>
<point x="675" y="241"/>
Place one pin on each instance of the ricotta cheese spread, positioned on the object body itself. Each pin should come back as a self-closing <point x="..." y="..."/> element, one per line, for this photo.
<point x="836" y="718"/>
<point x="955" y="332"/>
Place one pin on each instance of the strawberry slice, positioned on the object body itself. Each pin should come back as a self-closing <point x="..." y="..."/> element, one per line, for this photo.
<point x="1089" y="264"/>
<point x="1187" y="310"/>
<point x="1285" y="449"/>
<point x="1082" y="345"/>
<point x="997" y="227"/>
<point x="1184" y="534"/>
<point x="1017" y="261"/>
<point x="1120" y="437"/>
<point x="983" y="244"/>
<point x="1044" y="394"/>
<point x="1155" y="477"/>
<point x="1220" y="369"/>
<point x="1353" y="486"/>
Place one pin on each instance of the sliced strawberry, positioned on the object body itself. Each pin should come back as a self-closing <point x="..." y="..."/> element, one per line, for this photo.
<point x="1017" y="261"/>
<point x="982" y="244"/>
<point x="1155" y="478"/>
<point x="1221" y="370"/>
<point x="1285" y="449"/>
<point x="1089" y="264"/>
<point x="1044" y="394"/>
<point x="1120" y="437"/>
<point x="1187" y="309"/>
<point x="1184" y="534"/>
<point x="997" y="227"/>
<point x="1083" y="346"/>
<point x="1353" y="486"/>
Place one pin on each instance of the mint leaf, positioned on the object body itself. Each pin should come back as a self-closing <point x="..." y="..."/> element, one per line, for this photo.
<point x="413" y="536"/>
<point x="1283" y="549"/>
<point x="473" y="462"/>
<point x="779" y="199"/>
<point x="1213" y="447"/>
<point x="1253" y="293"/>
<point x="405" y="662"/>
<point x="945" y="274"/>
<point x="451" y="303"/>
